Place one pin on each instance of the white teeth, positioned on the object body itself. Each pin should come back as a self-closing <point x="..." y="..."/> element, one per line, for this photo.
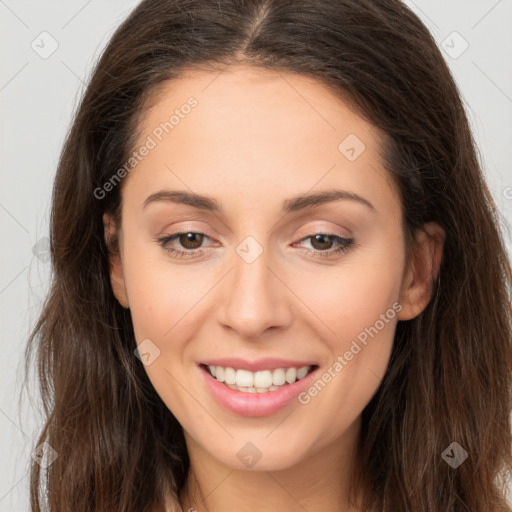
<point x="244" y="378"/>
<point x="278" y="378"/>
<point x="229" y="376"/>
<point x="263" y="379"/>
<point x="253" y="389"/>
<point x="260" y="381"/>
<point x="291" y="375"/>
<point x="301" y="373"/>
<point x="219" y="373"/>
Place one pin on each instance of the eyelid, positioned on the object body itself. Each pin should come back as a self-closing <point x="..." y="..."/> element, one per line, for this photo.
<point x="177" y="228"/>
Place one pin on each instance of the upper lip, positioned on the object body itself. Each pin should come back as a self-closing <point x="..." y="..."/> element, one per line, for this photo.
<point x="267" y="363"/>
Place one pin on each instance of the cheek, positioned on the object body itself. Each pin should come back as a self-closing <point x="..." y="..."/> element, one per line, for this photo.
<point x="353" y="296"/>
<point x="161" y="294"/>
<point x="165" y="300"/>
<point x="360" y="351"/>
<point x="162" y="298"/>
<point x="357" y="307"/>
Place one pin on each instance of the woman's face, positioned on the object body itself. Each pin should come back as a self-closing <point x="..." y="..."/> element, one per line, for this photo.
<point x="294" y="258"/>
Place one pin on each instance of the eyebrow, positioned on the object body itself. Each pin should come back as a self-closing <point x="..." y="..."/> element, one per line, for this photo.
<point x="300" y="202"/>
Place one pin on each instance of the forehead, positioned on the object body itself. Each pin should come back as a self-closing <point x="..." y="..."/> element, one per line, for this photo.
<point x="251" y="128"/>
<point x="257" y="99"/>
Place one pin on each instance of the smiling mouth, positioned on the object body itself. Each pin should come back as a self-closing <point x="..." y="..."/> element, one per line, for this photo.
<point x="257" y="382"/>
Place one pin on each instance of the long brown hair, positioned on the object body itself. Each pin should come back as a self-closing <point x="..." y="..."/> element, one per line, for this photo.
<point x="449" y="378"/>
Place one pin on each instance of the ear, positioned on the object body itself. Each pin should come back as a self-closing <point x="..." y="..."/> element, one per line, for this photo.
<point x="422" y="271"/>
<point x="117" y="279"/>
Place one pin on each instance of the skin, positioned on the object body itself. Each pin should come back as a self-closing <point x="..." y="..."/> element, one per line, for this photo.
<point x="255" y="139"/>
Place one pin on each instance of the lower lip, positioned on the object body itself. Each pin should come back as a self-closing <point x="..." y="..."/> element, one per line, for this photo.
<point x="255" y="404"/>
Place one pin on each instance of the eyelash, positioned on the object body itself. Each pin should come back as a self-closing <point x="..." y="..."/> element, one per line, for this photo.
<point x="345" y="244"/>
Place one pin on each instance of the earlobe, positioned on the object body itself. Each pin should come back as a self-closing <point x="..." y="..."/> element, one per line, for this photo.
<point x="419" y="277"/>
<point x="117" y="278"/>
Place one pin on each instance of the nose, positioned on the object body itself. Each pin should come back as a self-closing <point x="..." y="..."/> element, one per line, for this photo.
<point x="254" y="298"/>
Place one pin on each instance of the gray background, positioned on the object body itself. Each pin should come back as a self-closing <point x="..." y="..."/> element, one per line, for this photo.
<point x="38" y="96"/>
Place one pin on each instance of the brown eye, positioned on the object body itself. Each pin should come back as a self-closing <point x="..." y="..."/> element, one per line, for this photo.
<point x="190" y="240"/>
<point x="183" y="245"/>
<point x="322" y="242"/>
<point x="327" y="245"/>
